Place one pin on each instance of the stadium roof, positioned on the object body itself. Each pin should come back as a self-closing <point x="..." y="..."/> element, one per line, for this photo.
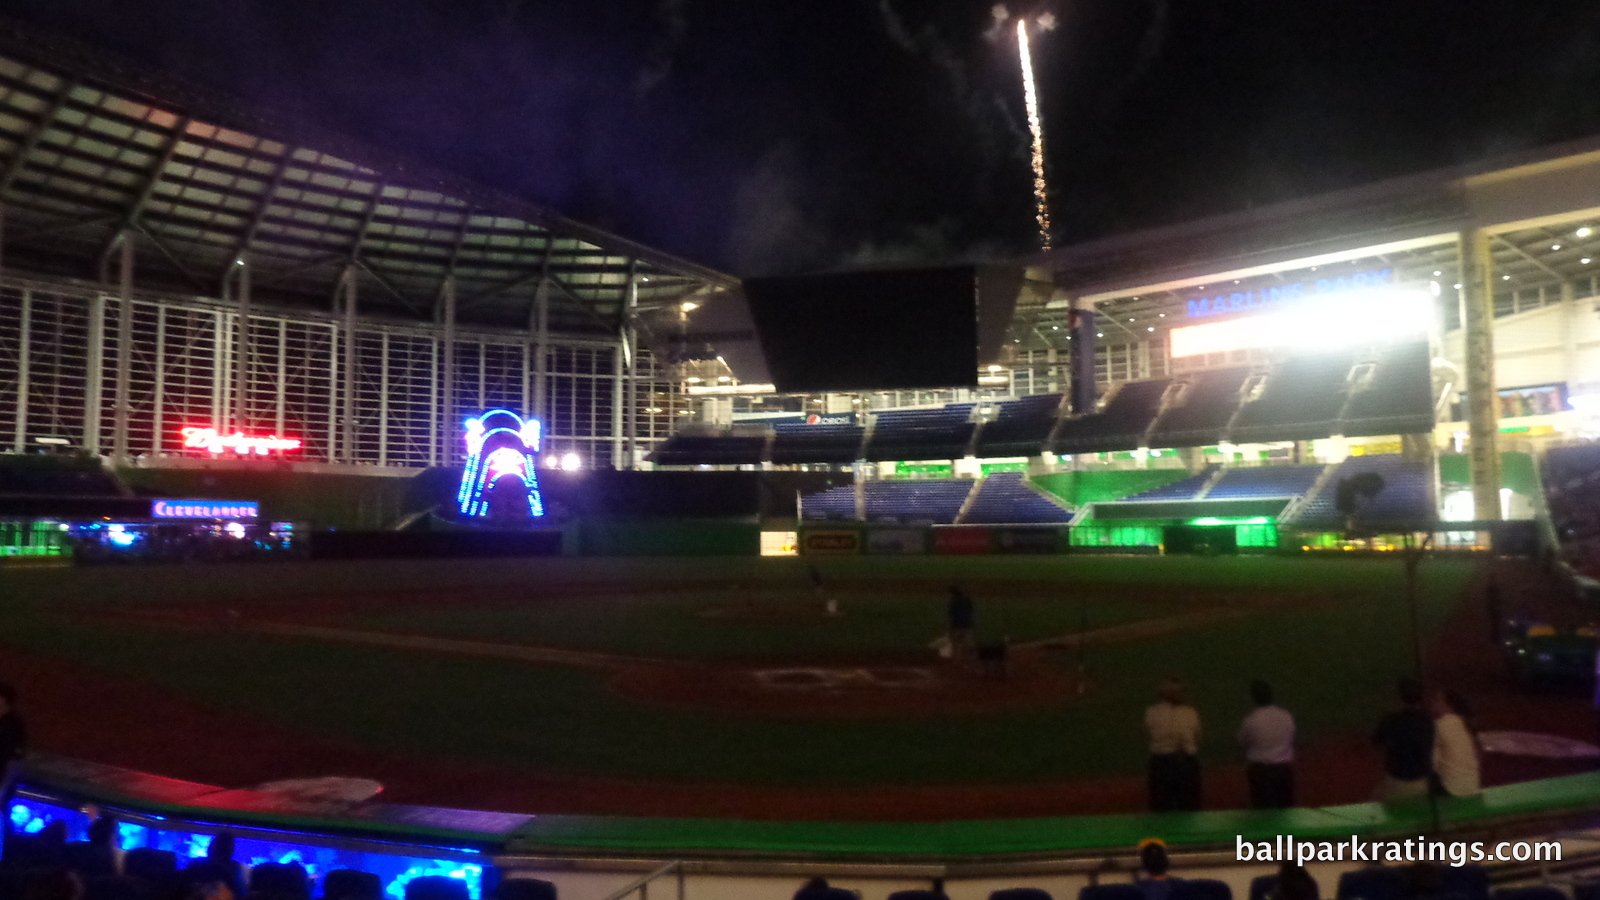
<point x="91" y="147"/>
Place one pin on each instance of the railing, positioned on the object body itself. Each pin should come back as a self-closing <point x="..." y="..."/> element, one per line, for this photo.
<point x="642" y="885"/>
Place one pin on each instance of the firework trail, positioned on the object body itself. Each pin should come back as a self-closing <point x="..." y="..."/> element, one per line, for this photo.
<point x="1041" y="198"/>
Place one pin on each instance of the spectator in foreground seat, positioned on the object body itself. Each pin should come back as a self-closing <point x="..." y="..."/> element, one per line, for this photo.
<point x="1455" y="748"/>
<point x="1174" y="730"/>
<point x="1267" y="735"/>
<point x="1406" y="738"/>
<point x="814" y="889"/>
<point x="1154" y="882"/>
<point x="1294" y="883"/>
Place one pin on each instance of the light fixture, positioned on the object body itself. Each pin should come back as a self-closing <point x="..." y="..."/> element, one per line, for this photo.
<point x="689" y="306"/>
<point x="695" y="380"/>
<point x="1555" y="246"/>
<point x="1505" y="277"/>
<point x="1437" y="273"/>
<point x="1585" y="260"/>
<point x="994" y="368"/>
<point x="1584" y="232"/>
<point x="1099" y="334"/>
<point x="1151" y="328"/>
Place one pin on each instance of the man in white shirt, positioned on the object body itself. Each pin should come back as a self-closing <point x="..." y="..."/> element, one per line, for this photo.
<point x="1174" y="730"/>
<point x="1267" y="736"/>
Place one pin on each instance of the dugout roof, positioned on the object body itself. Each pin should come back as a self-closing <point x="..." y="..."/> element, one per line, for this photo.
<point x="90" y="147"/>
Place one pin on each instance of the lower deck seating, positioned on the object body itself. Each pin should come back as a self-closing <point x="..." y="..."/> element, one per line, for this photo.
<point x="1267" y="481"/>
<point x="1182" y="489"/>
<point x="917" y="501"/>
<point x="1006" y="498"/>
<point x="1407" y="494"/>
<point x="833" y="504"/>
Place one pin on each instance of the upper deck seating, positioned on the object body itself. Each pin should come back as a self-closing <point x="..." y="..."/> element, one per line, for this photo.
<point x="1020" y="427"/>
<point x="1120" y="425"/>
<point x="938" y="433"/>
<point x="1300" y="401"/>
<point x="1202" y="411"/>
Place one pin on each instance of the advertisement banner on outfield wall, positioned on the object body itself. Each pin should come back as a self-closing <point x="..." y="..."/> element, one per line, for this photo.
<point x="1028" y="540"/>
<point x="830" y="543"/>
<point x="961" y="541"/>
<point x="896" y="541"/>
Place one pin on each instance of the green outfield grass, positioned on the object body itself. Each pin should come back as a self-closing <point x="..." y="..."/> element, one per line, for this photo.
<point x="1334" y="659"/>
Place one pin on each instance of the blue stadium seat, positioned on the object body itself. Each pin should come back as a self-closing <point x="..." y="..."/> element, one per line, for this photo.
<point x="280" y="878"/>
<point x="1534" y="892"/>
<point x="1265" y="481"/>
<point x="1200" y="889"/>
<point x="351" y="884"/>
<point x="1021" y="893"/>
<point x="436" y="887"/>
<point x="525" y="889"/>
<point x="1111" y="892"/>
<point x="1006" y="498"/>
<point x="937" y="433"/>
<point x="1182" y="489"/>
<point x="1375" y="883"/>
<point x="1202" y="412"/>
<point x="1020" y="427"/>
<point x="1407" y="493"/>
<point x="1119" y="425"/>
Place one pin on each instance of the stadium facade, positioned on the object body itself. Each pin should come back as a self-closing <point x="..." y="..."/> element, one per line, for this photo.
<point x="381" y="304"/>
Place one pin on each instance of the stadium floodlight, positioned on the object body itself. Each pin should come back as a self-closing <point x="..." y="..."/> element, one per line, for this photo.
<point x="1377" y="315"/>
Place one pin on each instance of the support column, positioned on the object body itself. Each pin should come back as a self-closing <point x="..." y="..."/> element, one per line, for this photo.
<point x="1483" y="400"/>
<point x="158" y="398"/>
<point x="541" y="349"/>
<point x="24" y="371"/>
<point x="448" y="416"/>
<point x="94" y="388"/>
<point x="1569" y="333"/>
<point x="280" y="401"/>
<point x="348" y="426"/>
<point x="124" y="389"/>
<point x="242" y="357"/>
<point x="616" y="405"/>
<point x="630" y="345"/>
<point x="383" y="400"/>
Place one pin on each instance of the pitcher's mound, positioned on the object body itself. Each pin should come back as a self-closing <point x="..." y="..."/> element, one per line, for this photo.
<point x="866" y="690"/>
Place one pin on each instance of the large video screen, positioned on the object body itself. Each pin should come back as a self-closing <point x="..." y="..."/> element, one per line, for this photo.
<point x="906" y="329"/>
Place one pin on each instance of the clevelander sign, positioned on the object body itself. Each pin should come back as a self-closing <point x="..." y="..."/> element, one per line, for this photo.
<point x="1280" y="294"/>
<point x="205" y="509"/>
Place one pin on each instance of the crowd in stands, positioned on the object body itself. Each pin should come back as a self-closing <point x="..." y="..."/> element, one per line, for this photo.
<point x="1428" y="747"/>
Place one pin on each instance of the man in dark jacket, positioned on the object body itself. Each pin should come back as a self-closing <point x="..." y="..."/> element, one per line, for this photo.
<point x="1406" y="738"/>
<point x="13" y="741"/>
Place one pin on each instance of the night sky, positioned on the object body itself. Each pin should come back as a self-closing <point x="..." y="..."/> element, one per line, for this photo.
<point x="776" y="136"/>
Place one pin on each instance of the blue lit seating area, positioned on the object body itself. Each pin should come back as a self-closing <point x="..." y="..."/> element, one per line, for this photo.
<point x="831" y="505"/>
<point x="1300" y="401"/>
<point x="1398" y="399"/>
<point x="1020" y="427"/>
<point x="1182" y="489"/>
<point x="1119" y="425"/>
<point x="1006" y="498"/>
<point x="1572" y="490"/>
<point x="1265" y="481"/>
<point x="796" y="442"/>
<point x="1200" y="413"/>
<point x="933" y="501"/>
<point x="939" y="433"/>
<point x="1407" y="494"/>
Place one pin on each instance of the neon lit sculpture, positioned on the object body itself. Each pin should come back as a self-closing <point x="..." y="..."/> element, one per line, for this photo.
<point x="500" y="445"/>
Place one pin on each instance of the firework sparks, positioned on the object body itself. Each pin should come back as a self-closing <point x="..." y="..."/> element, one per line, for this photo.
<point x="1041" y="197"/>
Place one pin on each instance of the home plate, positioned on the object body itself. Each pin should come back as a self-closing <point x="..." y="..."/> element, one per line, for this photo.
<point x="1527" y="743"/>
